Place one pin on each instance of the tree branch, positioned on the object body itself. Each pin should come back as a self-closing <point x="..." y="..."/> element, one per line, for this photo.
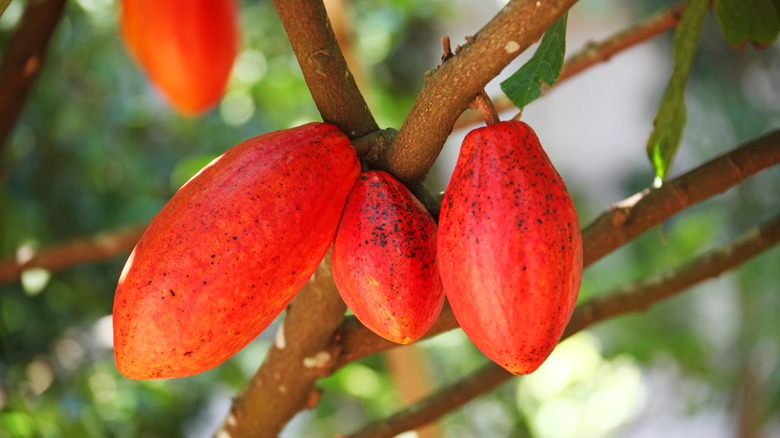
<point x="284" y="383"/>
<point x="448" y="91"/>
<point x="303" y="352"/>
<point x="23" y="57"/>
<point x="633" y="216"/>
<point x="617" y="226"/>
<point x="65" y="255"/>
<point x="329" y="80"/>
<point x="640" y="296"/>
<point x="595" y="53"/>
<point x="637" y="297"/>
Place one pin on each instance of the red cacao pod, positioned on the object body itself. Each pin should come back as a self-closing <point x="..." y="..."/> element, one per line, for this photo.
<point x="384" y="259"/>
<point x="510" y="248"/>
<point x="187" y="48"/>
<point x="229" y="251"/>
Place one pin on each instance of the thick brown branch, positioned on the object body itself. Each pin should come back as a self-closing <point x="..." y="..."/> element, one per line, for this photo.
<point x="284" y="384"/>
<point x="448" y="91"/>
<point x="329" y="80"/>
<point x="64" y="255"/>
<point x="621" y="224"/>
<point x="22" y="59"/>
<point x="303" y="352"/>
<point x="636" y="297"/>
<point x="595" y="53"/>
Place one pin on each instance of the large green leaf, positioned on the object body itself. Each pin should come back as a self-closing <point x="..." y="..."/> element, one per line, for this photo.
<point x="670" y="119"/>
<point x="543" y="69"/>
<point x="748" y="21"/>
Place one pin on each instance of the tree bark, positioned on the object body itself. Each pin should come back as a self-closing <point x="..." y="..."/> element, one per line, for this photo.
<point x="449" y="90"/>
<point x="303" y="352"/>
<point x="23" y="57"/>
<point x="324" y="68"/>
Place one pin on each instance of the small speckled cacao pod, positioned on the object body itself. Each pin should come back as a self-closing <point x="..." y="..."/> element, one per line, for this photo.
<point x="229" y="251"/>
<point x="510" y="248"/>
<point x="384" y="259"/>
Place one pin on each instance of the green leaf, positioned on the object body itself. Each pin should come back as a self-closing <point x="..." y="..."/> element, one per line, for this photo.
<point x="543" y="69"/>
<point x="748" y="21"/>
<point x="670" y="119"/>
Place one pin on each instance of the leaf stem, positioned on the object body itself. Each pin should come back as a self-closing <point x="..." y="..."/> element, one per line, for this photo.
<point x="486" y="108"/>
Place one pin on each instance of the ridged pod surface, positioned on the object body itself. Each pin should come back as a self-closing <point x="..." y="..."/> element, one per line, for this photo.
<point x="187" y="48"/>
<point x="510" y="248"/>
<point x="384" y="259"/>
<point x="229" y="251"/>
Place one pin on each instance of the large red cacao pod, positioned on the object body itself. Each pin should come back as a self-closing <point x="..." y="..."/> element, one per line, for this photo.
<point x="229" y="251"/>
<point x="187" y="48"/>
<point x="384" y="259"/>
<point x="510" y="248"/>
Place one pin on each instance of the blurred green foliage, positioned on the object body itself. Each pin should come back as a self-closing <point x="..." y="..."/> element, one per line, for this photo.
<point x="96" y="149"/>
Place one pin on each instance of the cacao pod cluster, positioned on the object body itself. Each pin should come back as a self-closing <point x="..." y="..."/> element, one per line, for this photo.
<point x="234" y="245"/>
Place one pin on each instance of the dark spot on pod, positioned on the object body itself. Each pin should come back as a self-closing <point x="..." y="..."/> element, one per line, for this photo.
<point x="187" y="354"/>
<point x="173" y="294"/>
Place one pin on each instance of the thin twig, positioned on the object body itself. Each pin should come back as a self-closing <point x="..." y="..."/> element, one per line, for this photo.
<point x="595" y="53"/>
<point x="637" y="297"/>
<point x="22" y="59"/>
<point x="64" y="255"/>
<point x="619" y="225"/>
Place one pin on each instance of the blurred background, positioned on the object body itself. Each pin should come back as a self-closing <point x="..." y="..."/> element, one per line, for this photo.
<point x="97" y="151"/>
